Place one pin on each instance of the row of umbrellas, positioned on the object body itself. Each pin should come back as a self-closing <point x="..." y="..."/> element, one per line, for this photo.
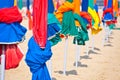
<point x="49" y="27"/>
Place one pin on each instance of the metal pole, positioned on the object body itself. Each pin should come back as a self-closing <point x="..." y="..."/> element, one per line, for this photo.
<point x="3" y="63"/>
<point x="65" y="55"/>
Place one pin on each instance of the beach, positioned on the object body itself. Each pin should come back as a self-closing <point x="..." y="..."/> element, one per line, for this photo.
<point x="103" y="63"/>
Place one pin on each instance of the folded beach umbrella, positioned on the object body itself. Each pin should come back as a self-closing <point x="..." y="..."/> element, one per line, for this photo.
<point x="11" y="34"/>
<point x="108" y="10"/>
<point x="40" y="10"/>
<point x="53" y="25"/>
<point x="96" y="20"/>
<point x="36" y="59"/>
<point x="10" y="28"/>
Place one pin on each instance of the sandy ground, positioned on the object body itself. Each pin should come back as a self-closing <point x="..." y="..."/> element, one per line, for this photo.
<point x="102" y="64"/>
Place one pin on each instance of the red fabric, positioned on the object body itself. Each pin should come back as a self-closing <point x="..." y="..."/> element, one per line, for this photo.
<point x="88" y="17"/>
<point x="13" y="56"/>
<point x="111" y="22"/>
<point x="105" y="3"/>
<point x="40" y="9"/>
<point x="108" y="10"/>
<point x="10" y="15"/>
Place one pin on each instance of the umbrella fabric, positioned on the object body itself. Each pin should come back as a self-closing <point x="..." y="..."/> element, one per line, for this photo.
<point x="12" y="32"/>
<point x="84" y="5"/>
<point x="13" y="56"/>
<point x="54" y="28"/>
<point x="6" y="3"/>
<point x="36" y="59"/>
<point x="14" y="15"/>
<point x="85" y="15"/>
<point x="96" y="28"/>
<point x="108" y="11"/>
<point x="20" y="4"/>
<point x="50" y="6"/>
<point x="40" y="10"/>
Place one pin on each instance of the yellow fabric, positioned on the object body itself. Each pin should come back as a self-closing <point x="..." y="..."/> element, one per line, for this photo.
<point x="96" y="28"/>
<point x="66" y="6"/>
<point x="77" y="9"/>
<point x="15" y="2"/>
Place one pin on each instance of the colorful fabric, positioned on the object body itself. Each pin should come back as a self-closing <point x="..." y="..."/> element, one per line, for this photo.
<point x="36" y="59"/>
<point x="50" y="6"/>
<point x="12" y="32"/>
<point x="84" y="5"/>
<point x="40" y="10"/>
<point x="20" y="4"/>
<point x="10" y="15"/>
<point x="13" y="56"/>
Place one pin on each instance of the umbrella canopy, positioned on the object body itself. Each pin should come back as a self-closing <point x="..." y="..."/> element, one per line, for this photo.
<point x="40" y="10"/>
<point x="11" y="32"/>
<point x="36" y="58"/>
<point x="10" y="28"/>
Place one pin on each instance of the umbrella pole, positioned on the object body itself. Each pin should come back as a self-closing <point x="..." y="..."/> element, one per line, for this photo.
<point x="50" y="67"/>
<point x="104" y="35"/>
<point x="65" y="55"/>
<point x="92" y="43"/>
<point x="3" y="63"/>
<point x="87" y="51"/>
<point x="77" y="55"/>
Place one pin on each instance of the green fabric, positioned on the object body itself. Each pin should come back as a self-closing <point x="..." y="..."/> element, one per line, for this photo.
<point x="53" y="19"/>
<point x="82" y="31"/>
<point x="111" y="26"/>
<point x="81" y="38"/>
<point x="20" y="5"/>
<point x="55" y="40"/>
<point x="119" y="4"/>
<point x="68" y="24"/>
<point x="91" y="4"/>
<point x="81" y="21"/>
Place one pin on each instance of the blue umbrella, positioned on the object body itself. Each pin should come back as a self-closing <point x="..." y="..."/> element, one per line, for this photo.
<point x="36" y="59"/>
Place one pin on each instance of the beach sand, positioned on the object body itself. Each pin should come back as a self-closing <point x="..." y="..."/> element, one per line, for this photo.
<point x="102" y="64"/>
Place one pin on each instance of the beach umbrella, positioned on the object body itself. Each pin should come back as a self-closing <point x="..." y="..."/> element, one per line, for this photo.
<point x="108" y="18"/>
<point x="11" y="34"/>
<point x="40" y="10"/>
<point x="36" y="58"/>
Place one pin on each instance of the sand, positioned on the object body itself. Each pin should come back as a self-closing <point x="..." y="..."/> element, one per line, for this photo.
<point x="102" y="64"/>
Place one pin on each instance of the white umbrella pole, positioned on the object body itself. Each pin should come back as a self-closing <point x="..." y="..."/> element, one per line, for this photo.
<point x="65" y="55"/>
<point x="92" y="43"/>
<point x="50" y="67"/>
<point x="77" y="55"/>
<point x="87" y="46"/>
<point x="3" y="63"/>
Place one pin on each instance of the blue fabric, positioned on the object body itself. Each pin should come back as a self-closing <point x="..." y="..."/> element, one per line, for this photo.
<point x="13" y="32"/>
<point x="108" y="17"/>
<point x="96" y="8"/>
<point x="110" y="2"/>
<point x="28" y="4"/>
<point x="54" y="25"/>
<point x="53" y="29"/>
<point x="36" y="59"/>
<point x="50" y="6"/>
<point x="85" y="5"/>
<point x="6" y="3"/>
